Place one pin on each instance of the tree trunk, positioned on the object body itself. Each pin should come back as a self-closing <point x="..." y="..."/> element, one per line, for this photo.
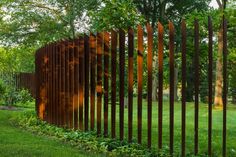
<point x="154" y="88"/>
<point x="234" y="99"/>
<point x="176" y="83"/>
<point x="219" y="72"/>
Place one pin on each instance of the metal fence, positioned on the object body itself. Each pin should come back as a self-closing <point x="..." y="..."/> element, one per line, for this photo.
<point x="20" y="81"/>
<point x="73" y="79"/>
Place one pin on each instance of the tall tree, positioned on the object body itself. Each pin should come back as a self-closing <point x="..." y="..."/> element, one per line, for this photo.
<point x="40" y="21"/>
<point x="174" y="10"/>
<point x="218" y="102"/>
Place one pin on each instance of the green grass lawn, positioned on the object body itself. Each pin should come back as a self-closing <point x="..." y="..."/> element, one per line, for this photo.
<point x="203" y="127"/>
<point x="15" y="142"/>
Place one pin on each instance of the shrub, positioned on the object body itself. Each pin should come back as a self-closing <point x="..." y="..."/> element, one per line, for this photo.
<point x="2" y="90"/>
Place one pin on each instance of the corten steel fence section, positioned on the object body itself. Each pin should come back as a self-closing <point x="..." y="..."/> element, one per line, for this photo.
<point x="73" y="76"/>
<point x="20" y="81"/>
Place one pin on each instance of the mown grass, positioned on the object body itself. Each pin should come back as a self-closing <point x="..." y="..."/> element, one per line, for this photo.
<point x="217" y="120"/>
<point x="16" y="142"/>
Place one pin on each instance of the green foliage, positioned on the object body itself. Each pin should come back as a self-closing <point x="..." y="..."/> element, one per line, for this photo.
<point x="36" y="22"/>
<point x="164" y="10"/>
<point x="83" y="140"/>
<point x="89" y="141"/>
<point x="24" y="99"/>
<point x="10" y="96"/>
<point x="17" y="59"/>
<point x="2" y="90"/>
<point x="115" y="14"/>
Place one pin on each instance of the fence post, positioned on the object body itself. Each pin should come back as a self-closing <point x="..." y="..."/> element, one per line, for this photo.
<point x="196" y="85"/>
<point x="225" y="86"/>
<point x="160" y="82"/>
<point x="130" y="86"/>
<point x="140" y="81"/>
<point x="210" y="62"/>
<point x="172" y="66"/>
<point x="81" y="82"/>
<point x="99" y="81"/>
<point x="183" y="47"/>
<point x="92" y="78"/>
<point x="106" y="79"/>
<point x="113" y="96"/>
<point x="121" y="78"/>
<point x="149" y="66"/>
<point x="86" y="90"/>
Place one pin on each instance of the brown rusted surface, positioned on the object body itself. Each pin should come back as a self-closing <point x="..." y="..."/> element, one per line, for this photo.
<point x="99" y="82"/>
<point x="121" y="79"/>
<point x="92" y="78"/>
<point x="86" y="83"/>
<point x="106" y="53"/>
<point x="76" y="83"/>
<point x="71" y="84"/>
<point x="130" y="82"/>
<point x="81" y="83"/>
<point x="70" y="74"/>
<point x="225" y="86"/>
<point x="196" y="84"/>
<point x="140" y="80"/>
<point x="149" y="90"/>
<point x="183" y="100"/>
<point x="160" y="82"/>
<point x="113" y="105"/>
<point x="171" y="92"/>
<point x="210" y="81"/>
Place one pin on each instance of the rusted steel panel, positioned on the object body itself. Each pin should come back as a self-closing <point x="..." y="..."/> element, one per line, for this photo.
<point x="171" y="67"/>
<point x="225" y="86"/>
<point x="50" y="82"/>
<point x="86" y="90"/>
<point x="183" y="100"/>
<point x="76" y="82"/>
<point x="67" y="83"/>
<point x="44" y="88"/>
<point x="160" y="82"/>
<point x="210" y="81"/>
<point x="140" y="81"/>
<point x="113" y="96"/>
<point x="196" y="85"/>
<point x="130" y="82"/>
<point x="149" y="67"/>
<point x="71" y="83"/>
<point x="99" y="82"/>
<point x="121" y="79"/>
<point x="106" y="54"/>
<point x="81" y="82"/>
<point x="92" y="78"/>
<point x="63" y="84"/>
<point x="59" y="84"/>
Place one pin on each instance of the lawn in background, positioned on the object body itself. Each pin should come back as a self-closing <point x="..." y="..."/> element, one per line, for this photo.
<point x="217" y="121"/>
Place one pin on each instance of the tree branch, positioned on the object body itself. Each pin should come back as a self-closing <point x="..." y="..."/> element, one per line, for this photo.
<point x="219" y="4"/>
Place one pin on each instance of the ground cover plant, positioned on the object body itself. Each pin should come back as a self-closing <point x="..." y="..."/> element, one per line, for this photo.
<point x="17" y="142"/>
<point x="90" y="142"/>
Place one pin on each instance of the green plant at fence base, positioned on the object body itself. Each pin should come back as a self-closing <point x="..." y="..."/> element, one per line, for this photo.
<point x="88" y="141"/>
<point x="10" y="96"/>
<point x="83" y="140"/>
